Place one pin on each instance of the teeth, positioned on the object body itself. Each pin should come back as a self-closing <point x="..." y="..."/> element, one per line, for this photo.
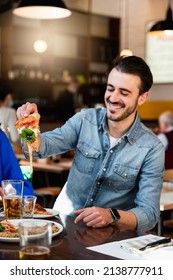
<point x="115" y="106"/>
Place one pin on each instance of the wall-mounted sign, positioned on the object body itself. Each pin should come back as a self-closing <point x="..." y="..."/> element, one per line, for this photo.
<point x="159" y="56"/>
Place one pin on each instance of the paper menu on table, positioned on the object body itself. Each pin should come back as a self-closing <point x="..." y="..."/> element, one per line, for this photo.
<point x="120" y="249"/>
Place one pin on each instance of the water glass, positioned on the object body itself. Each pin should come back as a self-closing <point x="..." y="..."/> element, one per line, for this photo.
<point x="35" y="239"/>
<point x="28" y="205"/>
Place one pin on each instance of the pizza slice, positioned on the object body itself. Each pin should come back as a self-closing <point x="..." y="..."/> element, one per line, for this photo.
<point x="8" y="230"/>
<point x="28" y="128"/>
<point x="41" y="210"/>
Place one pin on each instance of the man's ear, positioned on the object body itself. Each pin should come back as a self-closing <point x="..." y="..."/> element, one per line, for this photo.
<point x="142" y="98"/>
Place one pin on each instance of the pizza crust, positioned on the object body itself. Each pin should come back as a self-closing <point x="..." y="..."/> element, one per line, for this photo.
<point x="41" y="210"/>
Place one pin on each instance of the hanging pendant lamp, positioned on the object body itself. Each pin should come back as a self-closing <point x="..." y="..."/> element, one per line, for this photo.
<point x="163" y="27"/>
<point x="6" y="5"/>
<point x="42" y="9"/>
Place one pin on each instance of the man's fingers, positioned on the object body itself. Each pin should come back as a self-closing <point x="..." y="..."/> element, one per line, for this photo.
<point x="26" y="109"/>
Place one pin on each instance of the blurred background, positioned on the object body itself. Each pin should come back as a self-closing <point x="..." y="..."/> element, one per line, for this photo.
<point x="38" y="58"/>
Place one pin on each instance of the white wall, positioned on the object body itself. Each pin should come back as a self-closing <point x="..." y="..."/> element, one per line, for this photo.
<point x="133" y="27"/>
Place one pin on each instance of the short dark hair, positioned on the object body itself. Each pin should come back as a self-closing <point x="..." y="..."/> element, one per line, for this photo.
<point x="4" y="91"/>
<point x="137" y="66"/>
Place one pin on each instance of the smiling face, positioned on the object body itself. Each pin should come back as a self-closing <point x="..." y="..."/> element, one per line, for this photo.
<point x="122" y="96"/>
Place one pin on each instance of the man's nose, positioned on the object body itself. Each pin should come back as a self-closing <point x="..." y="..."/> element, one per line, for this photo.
<point x="115" y="96"/>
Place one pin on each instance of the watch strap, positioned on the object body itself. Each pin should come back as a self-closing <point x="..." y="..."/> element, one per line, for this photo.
<point x="115" y="215"/>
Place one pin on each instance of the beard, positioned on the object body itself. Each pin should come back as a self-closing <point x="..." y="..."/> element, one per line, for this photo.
<point x="111" y="115"/>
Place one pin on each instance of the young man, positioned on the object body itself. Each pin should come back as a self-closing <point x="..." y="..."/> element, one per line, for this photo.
<point x="116" y="175"/>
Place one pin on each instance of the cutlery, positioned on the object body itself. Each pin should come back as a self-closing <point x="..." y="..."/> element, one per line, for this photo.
<point x="156" y="243"/>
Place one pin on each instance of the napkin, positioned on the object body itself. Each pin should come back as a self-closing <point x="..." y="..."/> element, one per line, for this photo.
<point x="133" y="245"/>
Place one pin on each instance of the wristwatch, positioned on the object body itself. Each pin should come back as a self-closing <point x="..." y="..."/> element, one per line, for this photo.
<point x="115" y="215"/>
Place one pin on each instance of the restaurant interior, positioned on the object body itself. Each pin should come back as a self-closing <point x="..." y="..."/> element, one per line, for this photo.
<point x="40" y="57"/>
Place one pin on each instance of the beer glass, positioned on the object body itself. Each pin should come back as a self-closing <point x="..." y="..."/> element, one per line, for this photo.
<point x="12" y="198"/>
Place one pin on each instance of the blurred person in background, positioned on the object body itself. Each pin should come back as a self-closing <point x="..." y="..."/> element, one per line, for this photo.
<point x="8" y="116"/>
<point x="9" y="166"/>
<point x="67" y="101"/>
<point x="166" y="136"/>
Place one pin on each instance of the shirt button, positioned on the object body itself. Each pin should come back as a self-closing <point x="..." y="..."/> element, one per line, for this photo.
<point x="91" y="199"/>
<point x="104" y="169"/>
<point x="111" y="151"/>
<point x="125" y="175"/>
<point x="98" y="183"/>
<point x="86" y="154"/>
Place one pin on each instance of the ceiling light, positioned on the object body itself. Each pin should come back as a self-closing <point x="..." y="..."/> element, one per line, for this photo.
<point x="40" y="46"/>
<point x="126" y="52"/>
<point x="164" y="27"/>
<point x="42" y="9"/>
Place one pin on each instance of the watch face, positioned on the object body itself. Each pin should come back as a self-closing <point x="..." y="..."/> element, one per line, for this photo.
<point x="116" y="214"/>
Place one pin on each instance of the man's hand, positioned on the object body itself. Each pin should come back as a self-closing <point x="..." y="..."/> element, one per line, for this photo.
<point x="94" y="216"/>
<point x="24" y="111"/>
<point x="100" y="217"/>
<point x="27" y="109"/>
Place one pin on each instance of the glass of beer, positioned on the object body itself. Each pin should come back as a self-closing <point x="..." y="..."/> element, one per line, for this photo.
<point x="12" y="198"/>
<point x="35" y="239"/>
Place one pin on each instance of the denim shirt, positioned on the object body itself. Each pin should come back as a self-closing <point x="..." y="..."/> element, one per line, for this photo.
<point x="127" y="176"/>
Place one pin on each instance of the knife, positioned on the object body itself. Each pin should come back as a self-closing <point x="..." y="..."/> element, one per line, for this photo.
<point x="156" y="243"/>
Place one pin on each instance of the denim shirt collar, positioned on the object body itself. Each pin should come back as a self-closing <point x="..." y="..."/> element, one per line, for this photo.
<point x="131" y="134"/>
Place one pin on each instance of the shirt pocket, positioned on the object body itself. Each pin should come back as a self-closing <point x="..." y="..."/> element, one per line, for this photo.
<point x="125" y="177"/>
<point x="85" y="157"/>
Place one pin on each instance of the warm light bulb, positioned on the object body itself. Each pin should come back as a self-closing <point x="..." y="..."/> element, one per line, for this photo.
<point x="161" y="34"/>
<point x="40" y="46"/>
<point x="126" y="52"/>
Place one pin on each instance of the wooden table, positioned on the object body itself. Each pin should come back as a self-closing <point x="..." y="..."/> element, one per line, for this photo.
<point x="49" y="166"/>
<point x="72" y="242"/>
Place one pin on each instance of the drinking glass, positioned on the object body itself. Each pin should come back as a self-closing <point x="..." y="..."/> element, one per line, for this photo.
<point x="28" y="205"/>
<point x="12" y="198"/>
<point x="35" y="239"/>
<point x="27" y="172"/>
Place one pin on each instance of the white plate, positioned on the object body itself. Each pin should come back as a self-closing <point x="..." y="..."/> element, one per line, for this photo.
<point x="42" y="216"/>
<point x="15" y="222"/>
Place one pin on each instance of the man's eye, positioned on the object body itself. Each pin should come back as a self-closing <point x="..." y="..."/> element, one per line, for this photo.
<point x="124" y="93"/>
<point x="110" y="89"/>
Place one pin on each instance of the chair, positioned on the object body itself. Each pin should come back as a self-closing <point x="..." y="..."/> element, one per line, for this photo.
<point x="63" y="203"/>
<point x="47" y="195"/>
